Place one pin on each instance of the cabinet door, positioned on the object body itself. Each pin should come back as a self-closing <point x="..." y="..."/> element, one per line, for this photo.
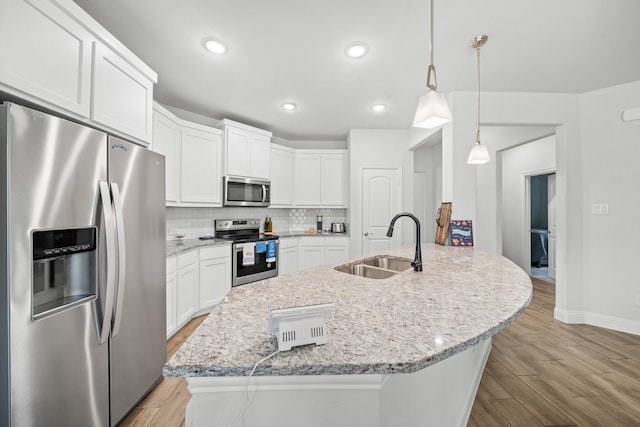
<point x="237" y="152"/>
<point x="281" y="177"/>
<point x="200" y="167"/>
<point x="307" y="184"/>
<point x="186" y="294"/>
<point x="259" y="156"/>
<point x="335" y="254"/>
<point x="45" y="55"/>
<point x="122" y="97"/>
<point x="333" y="186"/>
<point x="288" y="259"/>
<point x="166" y="141"/>
<point x="215" y="281"/>
<point x="171" y="304"/>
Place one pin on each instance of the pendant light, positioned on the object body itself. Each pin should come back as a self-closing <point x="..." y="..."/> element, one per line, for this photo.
<point x="432" y="109"/>
<point x="479" y="153"/>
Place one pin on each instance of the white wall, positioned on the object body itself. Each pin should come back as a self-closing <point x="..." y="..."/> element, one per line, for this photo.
<point x="595" y="154"/>
<point x="428" y="167"/>
<point x="474" y="189"/>
<point x="518" y="162"/>
<point x="378" y="148"/>
<point x="610" y="153"/>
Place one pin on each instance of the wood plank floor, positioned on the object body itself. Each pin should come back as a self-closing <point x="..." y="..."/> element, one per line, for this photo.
<point x="541" y="372"/>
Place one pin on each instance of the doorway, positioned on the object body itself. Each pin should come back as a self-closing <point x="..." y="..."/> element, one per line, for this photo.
<point x="381" y="200"/>
<point x="541" y="221"/>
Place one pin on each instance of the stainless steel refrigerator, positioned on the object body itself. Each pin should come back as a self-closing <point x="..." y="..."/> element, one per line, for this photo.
<point x="82" y="292"/>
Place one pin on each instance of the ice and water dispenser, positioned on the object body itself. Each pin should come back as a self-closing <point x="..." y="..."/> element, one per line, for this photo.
<point x="64" y="269"/>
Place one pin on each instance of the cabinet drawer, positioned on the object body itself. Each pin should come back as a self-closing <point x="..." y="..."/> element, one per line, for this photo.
<point x="288" y="242"/>
<point x="172" y="265"/>
<point x="337" y="241"/>
<point x="187" y="259"/>
<point x="312" y="241"/>
<point x="222" y="251"/>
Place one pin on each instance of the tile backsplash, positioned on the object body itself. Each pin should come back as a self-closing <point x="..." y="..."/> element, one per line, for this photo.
<point x="195" y="222"/>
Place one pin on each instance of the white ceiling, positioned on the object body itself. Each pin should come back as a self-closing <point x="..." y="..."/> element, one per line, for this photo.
<point x="293" y="50"/>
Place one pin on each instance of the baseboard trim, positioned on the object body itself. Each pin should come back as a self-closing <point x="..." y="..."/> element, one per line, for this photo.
<point x="610" y="322"/>
<point x="599" y="320"/>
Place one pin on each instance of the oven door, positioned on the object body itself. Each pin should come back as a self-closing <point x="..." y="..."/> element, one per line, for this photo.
<point x="246" y="191"/>
<point x="254" y="261"/>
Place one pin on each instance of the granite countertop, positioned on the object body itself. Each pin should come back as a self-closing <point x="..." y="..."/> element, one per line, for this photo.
<point x="177" y="247"/>
<point x="285" y="234"/>
<point x="397" y="325"/>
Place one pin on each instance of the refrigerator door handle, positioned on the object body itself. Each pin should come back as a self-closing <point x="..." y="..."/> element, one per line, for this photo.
<point x="122" y="256"/>
<point x="109" y="225"/>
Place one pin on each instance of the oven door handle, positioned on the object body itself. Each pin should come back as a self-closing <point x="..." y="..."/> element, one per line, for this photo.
<point x="264" y="193"/>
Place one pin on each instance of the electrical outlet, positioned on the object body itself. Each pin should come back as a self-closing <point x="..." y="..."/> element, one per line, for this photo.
<point x="600" y="209"/>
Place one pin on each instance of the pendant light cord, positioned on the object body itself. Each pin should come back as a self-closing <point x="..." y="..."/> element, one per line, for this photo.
<point x="431" y="37"/>
<point x="432" y="68"/>
<point x="478" y="100"/>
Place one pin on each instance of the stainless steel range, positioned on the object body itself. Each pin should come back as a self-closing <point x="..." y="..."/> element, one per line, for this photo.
<point x="254" y="255"/>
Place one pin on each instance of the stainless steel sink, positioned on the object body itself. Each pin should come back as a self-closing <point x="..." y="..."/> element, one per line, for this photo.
<point x="379" y="267"/>
<point x="367" y="271"/>
<point x="389" y="263"/>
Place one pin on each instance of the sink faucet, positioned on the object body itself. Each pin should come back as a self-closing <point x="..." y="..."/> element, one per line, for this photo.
<point x="417" y="259"/>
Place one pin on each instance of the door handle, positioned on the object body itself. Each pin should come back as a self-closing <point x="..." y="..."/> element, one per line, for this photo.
<point x="109" y="225"/>
<point x="264" y="193"/>
<point x="367" y="234"/>
<point x="122" y="257"/>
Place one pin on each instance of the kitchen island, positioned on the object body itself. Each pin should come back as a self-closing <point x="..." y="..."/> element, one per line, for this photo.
<point x="406" y="350"/>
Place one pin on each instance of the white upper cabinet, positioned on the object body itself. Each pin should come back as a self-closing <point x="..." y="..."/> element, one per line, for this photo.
<point x="192" y="157"/>
<point x="321" y="178"/>
<point x="45" y="55"/>
<point x="166" y="141"/>
<point x="245" y="150"/>
<point x="308" y="173"/>
<point x="282" y="165"/>
<point x="122" y="97"/>
<point x="200" y="166"/>
<point x="52" y="53"/>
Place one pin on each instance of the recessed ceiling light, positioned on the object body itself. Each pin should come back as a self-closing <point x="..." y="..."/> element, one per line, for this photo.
<point x="356" y="50"/>
<point x="214" y="46"/>
<point x="289" y="106"/>
<point x="379" y="107"/>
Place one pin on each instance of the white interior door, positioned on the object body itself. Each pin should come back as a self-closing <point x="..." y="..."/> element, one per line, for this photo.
<point x="380" y="202"/>
<point x="551" y="254"/>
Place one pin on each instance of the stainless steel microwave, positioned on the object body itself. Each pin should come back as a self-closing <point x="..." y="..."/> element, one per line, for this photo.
<point x="238" y="191"/>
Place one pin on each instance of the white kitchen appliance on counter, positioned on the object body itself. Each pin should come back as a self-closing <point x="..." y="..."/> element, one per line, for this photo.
<point x="82" y="279"/>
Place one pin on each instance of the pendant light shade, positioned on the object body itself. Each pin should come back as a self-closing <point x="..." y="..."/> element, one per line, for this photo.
<point x="433" y="110"/>
<point x="479" y="153"/>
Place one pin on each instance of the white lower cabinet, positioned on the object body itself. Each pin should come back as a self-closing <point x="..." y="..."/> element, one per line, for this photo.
<point x="320" y="250"/>
<point x="172" y="278"/>
<point x="196" y="282"/>
<point x="186" y="287"/>
<point x="289" y="256"/>
<point x="336" y="249"/>
<point x="215" y="275"/>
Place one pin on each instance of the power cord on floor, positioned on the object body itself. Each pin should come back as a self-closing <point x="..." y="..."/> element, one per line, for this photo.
<point x="247" y="401"/>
